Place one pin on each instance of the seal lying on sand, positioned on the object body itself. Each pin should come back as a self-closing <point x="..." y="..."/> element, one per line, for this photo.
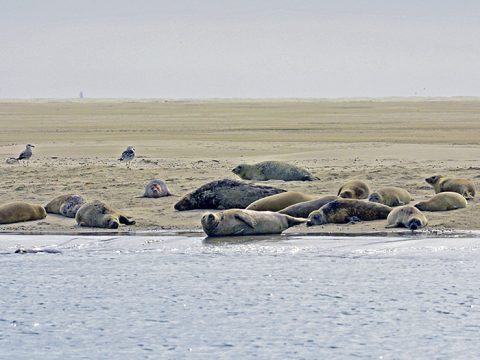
<point x="303" y="209"/>
<point x="247" y="222"/>
<point x="156" y="188"/>
<point x="20" y="211"/>
<point x="273" y="170"/>
<point x="225" y="194"/>
<point x="464" y="187"/>
<point x="354" y="189"/>
<point x="99" y="214"/>
<point x="407" y="216"/>
<point x="442" y="202"/>
<point x="391" y="196"/>
<point x="66" y="205"/>
<point x="343" y="211"/>
<point x="279" y="201"/>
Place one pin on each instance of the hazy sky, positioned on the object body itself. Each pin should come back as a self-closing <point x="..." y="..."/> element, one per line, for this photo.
<point x="239" y="48"/>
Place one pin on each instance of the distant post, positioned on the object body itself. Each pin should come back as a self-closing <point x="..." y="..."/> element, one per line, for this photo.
<point x="81" y="94"/>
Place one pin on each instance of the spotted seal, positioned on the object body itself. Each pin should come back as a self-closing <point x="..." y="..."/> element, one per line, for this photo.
<point x="225" y="194"/>
<point x="279" y="201"/>
<point x="391" y="196"/>
<point x="65" y="205"/>
<point x="247" y="222"/>
<point x="442" y="202"/>
<point x="407" y="216"/>
<point x="441" y="183"/>
<point x="355" y="189"/>
<point x="272" y="170"/>
<point x="156" y="188"/>
<point x="99" y="214"/>
<point x="303" y="209"/>
<point x="343" y="211"/>
<point x="21" y="211"/>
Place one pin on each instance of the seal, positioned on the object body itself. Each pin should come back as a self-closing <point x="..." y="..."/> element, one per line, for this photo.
<point x="225" y="194"/>
<point x="247" y="222"/>
<point x="65" y="205"/>
<point x="156" y="188"/>
<point x="99" y="214"/>
<point x="343" y="211"/>
<point x="21" y="211"/>
<point x="391" y="196"/>
<point x="354" y="189"/>
<point x="441" y="183"/>
<point x="272" y="170"/>
<point x="279" y="201"/>
<point x="442" y="202"/>
<point x="407" y="216"/>
<point x="303" y="209"/>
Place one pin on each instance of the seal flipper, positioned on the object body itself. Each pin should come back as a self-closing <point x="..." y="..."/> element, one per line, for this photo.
<point x="247" y="219"/>
<point x="124" y="220"/>
<point x="353" y="219"/>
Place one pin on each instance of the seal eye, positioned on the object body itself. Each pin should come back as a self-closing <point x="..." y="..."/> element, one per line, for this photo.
<point x="317" y="217"/>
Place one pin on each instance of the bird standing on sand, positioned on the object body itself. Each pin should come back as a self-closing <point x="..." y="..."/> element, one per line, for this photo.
<point x="26" y="154"/>
<point x="128" y="155"/>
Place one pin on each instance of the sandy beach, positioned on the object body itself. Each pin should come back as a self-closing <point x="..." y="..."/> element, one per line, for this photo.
<point x="390" y="142"/>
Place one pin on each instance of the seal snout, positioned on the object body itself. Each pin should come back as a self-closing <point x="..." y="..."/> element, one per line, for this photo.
<point x="414" y="224"/>
<point x="113" y="225"/>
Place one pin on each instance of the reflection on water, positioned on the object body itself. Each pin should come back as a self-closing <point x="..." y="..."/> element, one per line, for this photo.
<point x="120" y="297"/>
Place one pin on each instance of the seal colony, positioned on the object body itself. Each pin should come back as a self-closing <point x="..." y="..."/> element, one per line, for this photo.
<point x="268" y="210"/>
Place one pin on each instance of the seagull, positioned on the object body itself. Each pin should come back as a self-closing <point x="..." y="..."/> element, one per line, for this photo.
<point x="27" y="153"/>
<point x="128" y="155"/>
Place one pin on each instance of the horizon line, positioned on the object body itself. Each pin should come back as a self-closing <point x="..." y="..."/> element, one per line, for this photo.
<point x="253" y="99"/>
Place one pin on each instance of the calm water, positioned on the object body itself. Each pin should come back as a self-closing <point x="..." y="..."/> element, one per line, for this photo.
<point x="176" y="297"/>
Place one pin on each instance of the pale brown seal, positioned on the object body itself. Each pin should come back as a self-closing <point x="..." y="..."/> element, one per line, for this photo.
<point x="21" y="211"/>
<point x="343" y="211"/>
<point x="303" y="209"/>
<point x="225" y="194"/>
<point x="156" y="188"/>
<point x="65" y="205"/>
<point x="99" y="214"/>
<point x="441" y="183"/>
<point x="391" y="196"/>
<point x="407" y="216"/>
<point x="355" y="189"/>
<point x="272" y="170"/>
<point x="247" y="222"/>
<point x="442" y="202"/>
<point x="279" y="201"/>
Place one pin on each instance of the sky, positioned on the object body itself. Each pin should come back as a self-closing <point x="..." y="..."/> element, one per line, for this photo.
<point x="239" y="48"/>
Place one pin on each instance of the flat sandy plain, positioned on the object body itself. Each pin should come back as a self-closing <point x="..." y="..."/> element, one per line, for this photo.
<point x="387" y="142"/>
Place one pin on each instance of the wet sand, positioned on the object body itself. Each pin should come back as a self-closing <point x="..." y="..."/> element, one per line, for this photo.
<point x="392" y="142"/>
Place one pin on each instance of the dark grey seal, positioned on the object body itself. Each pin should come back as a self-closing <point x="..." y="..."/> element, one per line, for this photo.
<point x="343" y="211"/>
<point x="303" y="209"/>
<point x="225" y="194"/>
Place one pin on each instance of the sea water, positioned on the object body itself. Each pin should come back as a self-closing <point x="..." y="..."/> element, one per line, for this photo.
<point x="171" y="296"/>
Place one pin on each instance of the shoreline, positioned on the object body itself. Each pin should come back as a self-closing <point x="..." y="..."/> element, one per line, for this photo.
<point x="400" y="232"/>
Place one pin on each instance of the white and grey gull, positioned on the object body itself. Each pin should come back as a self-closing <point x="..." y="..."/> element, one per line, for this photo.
<point x="128" y="155"/>
<point x="26" y="154"/>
